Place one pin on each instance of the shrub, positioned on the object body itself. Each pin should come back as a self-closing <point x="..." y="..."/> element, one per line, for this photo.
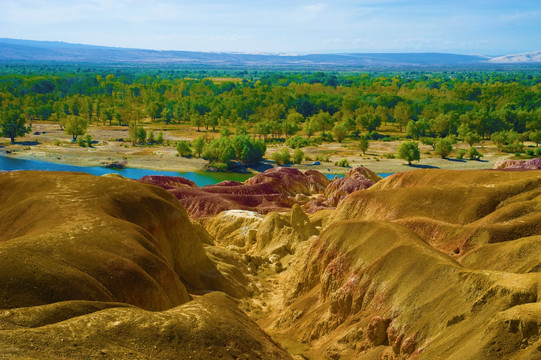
<point x="297" y="141"/>
<point x="183" y="148"/>
<point x="389" y="156"/>
<point x="282" y="157"/>
<point x="81" y="142"/>
<point x="314" y="141"/>
<point x="298" y="155"/>
<point x="342" y="163"/>
<point x="460" y="153"/>
<point x="538" y="152"/>
<point x="514" y="147"/>
<point x="530" y="152"/>
<point x="374" y="135"/>
<point x="363" y="143"/>
<point x="217" y="166"/>
<point x="88" y="140"/>
<point x="322" y="157"/>
<point x="474" y="154"/>
<point x="159" y="139"/>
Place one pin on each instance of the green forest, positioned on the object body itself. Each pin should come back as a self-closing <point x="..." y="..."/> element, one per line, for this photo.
<point x="264" y="106"/>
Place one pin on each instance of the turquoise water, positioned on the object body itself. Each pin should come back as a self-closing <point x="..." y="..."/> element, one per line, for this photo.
<point x="200" y="178"/>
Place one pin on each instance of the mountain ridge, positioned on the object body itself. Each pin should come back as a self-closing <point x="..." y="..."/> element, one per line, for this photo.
<point x="15" y="50"/>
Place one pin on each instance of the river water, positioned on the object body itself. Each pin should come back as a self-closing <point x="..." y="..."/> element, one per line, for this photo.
<point x="200" y="178"/>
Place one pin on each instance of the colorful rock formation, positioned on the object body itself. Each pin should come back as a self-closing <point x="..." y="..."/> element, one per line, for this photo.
<point x="272" y="190"/>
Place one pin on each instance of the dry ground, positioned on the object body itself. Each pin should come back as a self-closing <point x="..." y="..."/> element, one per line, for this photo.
<point x="47" y="142"/>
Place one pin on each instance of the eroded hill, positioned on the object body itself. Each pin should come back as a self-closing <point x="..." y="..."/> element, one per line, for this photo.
<point x="428" y="264"/>
<point x="113" y="268"/>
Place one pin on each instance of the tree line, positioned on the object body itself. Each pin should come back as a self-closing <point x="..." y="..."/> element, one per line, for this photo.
<point x="278" y="106"/>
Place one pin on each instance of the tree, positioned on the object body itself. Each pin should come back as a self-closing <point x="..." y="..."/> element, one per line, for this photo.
<point x="290" y="126"/>
<point x="443" y="147"/>
<point x="403" y="114"/>
<point x="340" y="131"/>
<point x="141" y="135"/>
<point x="324" y="121"/>
<point x="429" y="141"/>
<point x="198" y="145"/>
<point x="310" y="127"/>
<point x="471" y="138"/>
<point x="418" y="129"/>
<point x="75" y="126"/>
<point x="196" y="120"/>
<point x="292" y="123"/>
<point x="363" y="143"/>
<point x="535" y="136"/>
<point x="219" y="150"/>
<point x="13" y="124"/>
<point x="409" y="151"/>
<point x="298" y="155"/>
<point x="369" y="121"/>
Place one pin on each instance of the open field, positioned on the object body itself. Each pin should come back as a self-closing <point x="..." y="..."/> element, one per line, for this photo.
<point x="47" y="142"/>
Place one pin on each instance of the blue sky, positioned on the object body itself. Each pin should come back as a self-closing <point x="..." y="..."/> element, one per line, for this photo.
<point x="493" y="27"/>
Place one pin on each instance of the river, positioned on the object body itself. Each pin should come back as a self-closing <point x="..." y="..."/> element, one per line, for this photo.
<point x="200" y="178"/>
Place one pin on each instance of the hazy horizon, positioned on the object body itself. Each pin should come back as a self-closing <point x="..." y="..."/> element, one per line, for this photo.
<point x="290" y="27"/>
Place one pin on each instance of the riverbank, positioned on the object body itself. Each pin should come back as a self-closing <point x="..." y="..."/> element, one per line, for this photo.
<point x="49" y="143"/>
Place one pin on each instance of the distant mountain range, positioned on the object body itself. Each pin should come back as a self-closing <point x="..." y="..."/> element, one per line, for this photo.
<point x="13" y="50"/>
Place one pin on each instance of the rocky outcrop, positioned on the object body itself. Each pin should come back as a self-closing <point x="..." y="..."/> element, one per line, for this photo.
<point x="276" y="189"/>
<point x="261" y="236"/>
<point x="533" y="164"/>
<point x="84" y="258"/>
<point x="428" y="264"/>
<point x="356" y="179"/>
<point x="273" y="190"/>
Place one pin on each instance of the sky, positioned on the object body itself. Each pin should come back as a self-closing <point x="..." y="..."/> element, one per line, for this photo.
<point x="488" y="27"/>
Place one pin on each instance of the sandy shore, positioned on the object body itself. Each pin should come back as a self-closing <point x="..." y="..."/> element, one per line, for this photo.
<point x="48" y="142"/>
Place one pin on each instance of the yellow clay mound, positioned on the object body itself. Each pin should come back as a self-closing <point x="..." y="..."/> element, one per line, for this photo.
<point x="367" y="284"/>
<point x="429" y="264"/>
<point x="83" y="259"/>
<point x="210" y="327"/>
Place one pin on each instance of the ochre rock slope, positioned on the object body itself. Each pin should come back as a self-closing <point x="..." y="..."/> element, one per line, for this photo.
<point x="429" y="264"/>
<point x="209" y="327"/>
<point x="83" y="261"/>
<point x="251" y="233"/>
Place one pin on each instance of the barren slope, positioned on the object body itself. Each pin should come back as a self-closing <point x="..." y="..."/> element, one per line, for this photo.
<point x="106" y="266"/>
<point x="429" y="264"/>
